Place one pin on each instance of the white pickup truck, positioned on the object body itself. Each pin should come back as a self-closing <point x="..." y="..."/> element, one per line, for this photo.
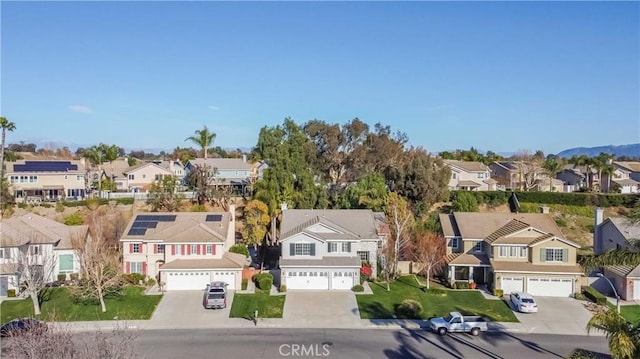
<point x="456" y="322"/>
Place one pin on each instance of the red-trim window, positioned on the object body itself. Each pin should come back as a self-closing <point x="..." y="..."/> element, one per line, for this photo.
<point x="198" y="248"/>
<point x="209" y="249"/>
<point x="155" y="249"/>
<point x="128" y="267"/>
<point x="173" y="249"/>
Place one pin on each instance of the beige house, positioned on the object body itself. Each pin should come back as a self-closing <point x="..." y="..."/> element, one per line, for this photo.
<point x="46" y="180"/>
<point x="470" y="176"/>
<point x="140" y="177"/>
<point x="514" y="252"/>
<point x="518" y="175"/>
<point x="624" y="178"/>
<point x="32" y="240"/>
<point x="185" y="251"/>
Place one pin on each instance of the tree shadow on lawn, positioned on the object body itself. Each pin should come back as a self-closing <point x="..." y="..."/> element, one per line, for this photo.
<point x="375" y="310"/>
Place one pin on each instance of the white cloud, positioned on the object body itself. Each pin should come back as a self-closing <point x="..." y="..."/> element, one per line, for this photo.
<point x="80" y="109"/>
<point x="215" y="108"/>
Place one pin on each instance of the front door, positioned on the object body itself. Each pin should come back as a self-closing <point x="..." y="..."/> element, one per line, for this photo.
<point x="4" y="286"/>
<point x="478" y="275"/>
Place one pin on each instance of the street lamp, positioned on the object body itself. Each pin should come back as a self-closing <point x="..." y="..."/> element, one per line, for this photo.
<point x="614" y="291"/>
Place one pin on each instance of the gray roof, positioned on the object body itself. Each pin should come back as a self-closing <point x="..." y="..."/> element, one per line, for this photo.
<point x="187" y="227"/>
<point x="324" y="262"/>
<point x="223" y="163"/>
<point x="228" y="260"/>
<point x="34" y="229"/>
<point x="350" y="223"/>
<point x="628" y="229"/>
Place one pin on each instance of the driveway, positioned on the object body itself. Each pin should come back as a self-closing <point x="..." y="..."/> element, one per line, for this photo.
<point x="183" y="309"/>
<point x="321" y="309"/>
<point x="556" y="316"/>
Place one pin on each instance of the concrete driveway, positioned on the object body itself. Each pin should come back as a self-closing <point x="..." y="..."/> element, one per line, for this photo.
<point x="183" y="309"/>
<point x="321" y="309"/>
<point x="555" y="316"/>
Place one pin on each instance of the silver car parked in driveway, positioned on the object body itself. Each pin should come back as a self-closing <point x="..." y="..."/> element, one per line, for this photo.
<point x="215" y="295"/>
<point x="523" y="302"/>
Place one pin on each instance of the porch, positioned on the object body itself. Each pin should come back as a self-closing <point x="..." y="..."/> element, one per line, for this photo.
<point x="468" y="267"/>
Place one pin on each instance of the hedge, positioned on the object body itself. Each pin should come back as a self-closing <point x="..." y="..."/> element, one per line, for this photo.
<point x="263" y="281"/>
<point x="357" y="288"/>
<point x="571" y="198"/>
<point x="408" y="309"/>
<point x="594" y="295"/>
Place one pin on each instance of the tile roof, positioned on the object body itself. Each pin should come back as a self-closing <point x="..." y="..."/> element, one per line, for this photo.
<point x="467" y="259"/>
<point x="32" y="228"/>
<point x="468" y="184"/>
<point x="626" y="182"/>
<point x="354" y="223"/>
<point x="621" y="270"/>
<point x="511" y="227"/>
<point x="512" y="266"/>
<point x="324" y="262"/>
<point x="223" y="163"/>
<point x="628" y="229"/>
<point x="469" y="166"/>
<point x="473" y="225"/>
<point x="228" y="260"/>
<point x="632" y="166"/>
<point x="188" y="227"/>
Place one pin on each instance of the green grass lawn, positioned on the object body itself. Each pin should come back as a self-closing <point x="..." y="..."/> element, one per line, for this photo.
<point x="58" y="306"/>
<point x="268" y="306"/>
<point x="631" y="313"/>
<point x="381" y="304"/>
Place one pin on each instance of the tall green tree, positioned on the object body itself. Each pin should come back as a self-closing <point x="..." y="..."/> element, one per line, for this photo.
<point x="204" y="139"/>
<point x="256" y="220"/>
<point x="5" y="125"/>
<point x="587" y="162"/>
<point x="623" y="337"/>
<point x="111" y="154"/>
<point x="602" y="164"/>
<point x="464" y="202"/>
<point x="370" y="192"/>
<point x="552" y="166"/>
<point x="96" y="156"/>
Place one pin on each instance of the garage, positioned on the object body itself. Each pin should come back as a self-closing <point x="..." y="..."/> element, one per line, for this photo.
<point x="550" y="287"/>
<point x="636" y="289"/>
<point x="228" y="277"/>
<point x="307" y="279"/>
<point x="512" y="284"/>
<point x="342" y="280"/>
<point x="184" y="280"/>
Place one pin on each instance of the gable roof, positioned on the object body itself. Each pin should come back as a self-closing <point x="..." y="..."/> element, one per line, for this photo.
<point x="353" y="223"/>
<point x="222" y="163"/>
<point x="146" y="164"/>
<point x="632" y="166"/>
<point x="469" y="166"/>
<point x="186" y="227"/>
<point x="626" y="227"/>
<point x="31" y="228"/>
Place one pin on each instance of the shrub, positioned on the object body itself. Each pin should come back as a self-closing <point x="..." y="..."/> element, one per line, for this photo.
<point x="46" y="205"/>
<point x="436" y="291"/>
<point x="62" y="277"/>
<point x="133" y="278"/>
<point x="240" y="249"/>
<point x="462" y="285"/>
<point x="59" y="207"/>
<point x="578" y="296"/>
<point x="498" y="293"/>
<point x="408" y="309"/>
<point x="74" y="219"/>
<point x="593" y="295"/>
<point x="11" y="293"/>
<point x="265" y="283"/>
<point x="23" y="205"/>
<point x="357" y="288"/>
<point x="151" y="282"/>
<point x="365" y="271"/>
<point x="245" y="283"/>
<point x="198" y="208"/>
<point x="283" y="288"/>
<point x="74" y="276"/>
<point x="561" y="222"/>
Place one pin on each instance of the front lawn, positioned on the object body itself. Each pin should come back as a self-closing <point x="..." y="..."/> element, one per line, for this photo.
<point x="244" y="305"/>
<point x="381" y="304"/>
<point x="631" y="313"/>
<point x="58" y="306"/>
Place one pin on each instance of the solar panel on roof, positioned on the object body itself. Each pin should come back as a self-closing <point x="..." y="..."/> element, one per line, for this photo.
<point x="144" y="224"/>
<point x="137" y="232"/>
<point x="214" y="218"/>
<point x="45" y="166"/>
<point x="144" y="217"/>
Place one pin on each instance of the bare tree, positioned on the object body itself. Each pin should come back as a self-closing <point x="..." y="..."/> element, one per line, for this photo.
<point x="528" y="168"/>
<point x="36" y="264"/>
<point x="429" y="250"/>
<point x="59" y="341"/>
<point x="100" y="262"/>
<point x="400" y="218"/>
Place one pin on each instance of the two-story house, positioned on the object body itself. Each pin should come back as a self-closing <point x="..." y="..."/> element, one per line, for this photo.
<point x="45" y="180"/>
<point x="470" y="176"/>
<point x="325" y="249"/>
<point x="514" y="252"/>
<point x="625" y="177"/>
<point x="185" y="251"/>
<point x="233" y="172"/>
<point x="519" y="175"/>
<point x="141" y="176"/>
<point x="32" y="240"/>
<point x="617" y="233"/>
<point x="573" y="178"/>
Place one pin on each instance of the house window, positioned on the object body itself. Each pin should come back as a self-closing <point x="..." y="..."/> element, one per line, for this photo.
<point x="513" y="251"/>
<point x="346" y="247"/>
<point x="364" y="256"/>
<point x="131" y="177"/>
<point x="461" y="273"/>
<point x="33" y="179"/>
<point x="455" y="243"/>
<point x="478" y="246"/>
<point x="158" y="177"/>
<point x="480" y="175"/>
<point x="302" y="249"/>
<point x="194" y="249"/>
<point x="333" y="247"/>
<point x="554" y="254"/>
<point x="503" y="251"/>
<point x="35" y="250"/>
<point x="178" y="249"/>
<point x="1" y="253"/>
<point x="160" y="248"/>
<point x="66" y="263"/>
<point x="135" y="248"/>
<point x="79" y="178"/>
<point x="453" y="175"/>
<point x="144" y="176"/>
<point x="136" y="267"/>
<point x="523" y="252"/>
<point x="209" y="248"/>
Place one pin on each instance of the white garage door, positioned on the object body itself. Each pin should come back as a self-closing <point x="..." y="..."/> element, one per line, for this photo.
<point x="342" y="280"/>
<point x="187" y="280"/>
<point x="636" y="289"/>
<point x="512" y="284"/>
<point x="307" y="280"/>
<point x="227" y="277"/>
<point x="550" y="287"/>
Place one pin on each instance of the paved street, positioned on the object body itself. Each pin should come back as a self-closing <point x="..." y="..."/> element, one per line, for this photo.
<point x="354" y="344"/>
<point x="321" y="309"/>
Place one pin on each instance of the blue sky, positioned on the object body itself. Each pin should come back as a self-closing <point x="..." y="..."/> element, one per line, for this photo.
<point x="501" y="76"/>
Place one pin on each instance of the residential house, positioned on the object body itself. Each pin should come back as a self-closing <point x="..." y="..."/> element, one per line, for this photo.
<point x="625" y="178"/>
<point x="185" y="251"/>
<point x="325" y="249"/>
<point x="175" y="166"/>
<point x="524" y="252"/>
<point x="141" y="176"/>
<point x="573" y="178"/>
<point x="470" y="176"/>
<point x="524" y="176"/>
<point x="617" y="233"/>
<point x="234" y="172"/>
<point x="30" y="239"/>
<point x="112" y="171"/>
<point x="46" y="180"/>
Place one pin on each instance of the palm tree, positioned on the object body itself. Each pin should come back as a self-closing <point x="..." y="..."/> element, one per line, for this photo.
<point x="601" y="163"/>
<point x="6" y="125"/>
<point x="624" y="338"/>
<point x="111" y="154"/>
<point x="203" y="138"/>
<point x="552" y="167"/>
<point x="583" y="160"/>
<point x="96" y="155"/>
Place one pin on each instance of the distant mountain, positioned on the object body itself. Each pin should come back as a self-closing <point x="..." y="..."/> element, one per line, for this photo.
<point x="632" y="150"/>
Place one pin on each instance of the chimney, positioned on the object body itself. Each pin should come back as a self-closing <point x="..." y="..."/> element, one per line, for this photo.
<point x="544" y="209"/>
<point x="597" y="240"/>
<point x="599" y="216"/>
